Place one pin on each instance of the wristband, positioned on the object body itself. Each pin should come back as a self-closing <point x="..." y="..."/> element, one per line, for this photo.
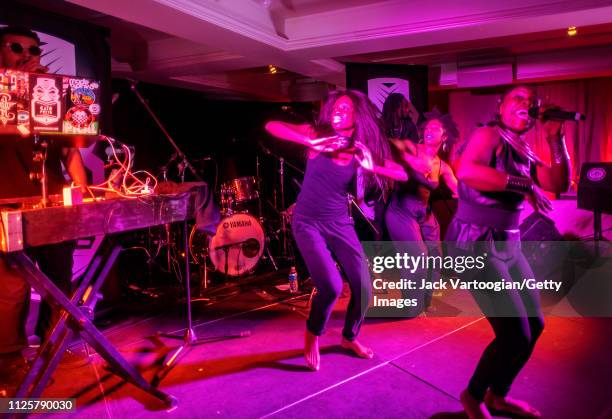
<point x="558" y="151"/>
<point x="519" y="184"/>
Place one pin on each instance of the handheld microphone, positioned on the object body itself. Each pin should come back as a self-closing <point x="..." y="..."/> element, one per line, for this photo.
<point x="556" y="114"/>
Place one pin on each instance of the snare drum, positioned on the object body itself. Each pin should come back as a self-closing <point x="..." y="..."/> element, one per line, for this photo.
<point x="238" y="245"/>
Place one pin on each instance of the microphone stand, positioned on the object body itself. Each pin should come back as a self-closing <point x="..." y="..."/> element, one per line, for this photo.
<point x="181" y="156"/>
<point x="189" y="338"/>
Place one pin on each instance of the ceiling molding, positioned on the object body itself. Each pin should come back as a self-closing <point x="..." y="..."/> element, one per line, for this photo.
<point x="332" y="65"/>
<point x="354" y="34"/>
<point x="192" y="59"/>
<point x="247" y="25"/>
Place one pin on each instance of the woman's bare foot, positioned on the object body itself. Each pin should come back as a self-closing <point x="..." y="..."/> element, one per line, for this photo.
<point x="473" y="408"/>
<point x="311" y="351"/>
<point x="359" y="350"/>
<point x="509" y="405"/>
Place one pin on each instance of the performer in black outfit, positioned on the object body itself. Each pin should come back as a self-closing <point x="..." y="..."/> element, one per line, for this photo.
<point x="20" y="50"/>
<point x="346" y="137"/>
<point x="496" y="173"/>
<point x="400" y="118"/>
<point x="408" y="218"/>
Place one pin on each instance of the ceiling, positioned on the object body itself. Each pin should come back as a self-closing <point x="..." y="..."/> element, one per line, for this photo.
<point x="224" y="47"/>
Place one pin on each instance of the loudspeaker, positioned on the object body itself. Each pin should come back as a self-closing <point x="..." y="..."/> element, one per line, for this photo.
<point x="539" y="228"/>
<point x="595" y="187"/>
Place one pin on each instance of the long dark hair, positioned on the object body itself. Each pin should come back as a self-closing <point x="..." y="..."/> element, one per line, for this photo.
<point x="368" y="131"/>
<point x="393" y="123"/>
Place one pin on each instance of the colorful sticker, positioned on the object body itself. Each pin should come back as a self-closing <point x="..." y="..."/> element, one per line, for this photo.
<point x="83" y="96"/>
<point x="6" y="109"/>
<point x="45" y="105"/>
<point x="79" y="117"/>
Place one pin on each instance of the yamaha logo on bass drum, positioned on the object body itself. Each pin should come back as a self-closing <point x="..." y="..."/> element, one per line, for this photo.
<point x="236" y="224"/>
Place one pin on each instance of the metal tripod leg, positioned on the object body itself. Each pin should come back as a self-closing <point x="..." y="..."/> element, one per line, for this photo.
<point x="189" y="337"/>
<point x="83" y="327"/>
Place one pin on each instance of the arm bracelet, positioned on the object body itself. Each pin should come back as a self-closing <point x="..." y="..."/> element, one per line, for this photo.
<point x="519" y="184"/>
<point x="558" y="151"/>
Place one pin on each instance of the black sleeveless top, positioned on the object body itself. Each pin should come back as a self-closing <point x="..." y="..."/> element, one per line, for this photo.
<point x="324" y="190"/>
<point x="508" y="161"/>
<point x="491" y="215"/>
<point x="415" y="190"/>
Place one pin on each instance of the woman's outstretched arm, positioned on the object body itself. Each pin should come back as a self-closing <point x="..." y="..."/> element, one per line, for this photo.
<point x="300" y="134"/>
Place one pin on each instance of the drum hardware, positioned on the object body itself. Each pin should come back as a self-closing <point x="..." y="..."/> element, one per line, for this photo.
<point x="238" y="192"/>
<point x="281" y="172"/>
<point x="189" y="338"/>
<point x="352" y="203"/>
<point x="269" y="255"/>
<point x="258" y="177"/>
<point x="286" y="248"/>
<point x="249" y="247"/>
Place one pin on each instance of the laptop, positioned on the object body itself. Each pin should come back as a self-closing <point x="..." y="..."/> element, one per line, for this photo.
<point x="35" y="103"/>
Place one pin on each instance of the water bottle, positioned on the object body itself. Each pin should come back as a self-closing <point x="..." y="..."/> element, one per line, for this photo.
<point x="293" y="280"/>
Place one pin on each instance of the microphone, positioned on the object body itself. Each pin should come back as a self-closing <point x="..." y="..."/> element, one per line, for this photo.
<point x="556" y="114"/>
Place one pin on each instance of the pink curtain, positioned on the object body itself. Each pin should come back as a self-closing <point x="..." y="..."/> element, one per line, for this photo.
<point x="587" y="141"/>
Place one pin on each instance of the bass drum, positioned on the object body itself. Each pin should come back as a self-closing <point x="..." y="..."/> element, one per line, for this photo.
<point x="238" y="244"/>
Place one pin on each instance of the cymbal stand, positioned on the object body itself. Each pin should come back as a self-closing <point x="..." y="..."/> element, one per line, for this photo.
<point x="285" y="245"/>
<point x="281" y="172"/>
<point x="258" y="177"/>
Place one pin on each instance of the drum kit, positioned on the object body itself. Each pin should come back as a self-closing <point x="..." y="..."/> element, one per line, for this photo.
<point x="241" y="237"/>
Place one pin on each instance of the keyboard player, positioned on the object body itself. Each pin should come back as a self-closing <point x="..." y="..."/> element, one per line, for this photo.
<point x="20" y="49"/>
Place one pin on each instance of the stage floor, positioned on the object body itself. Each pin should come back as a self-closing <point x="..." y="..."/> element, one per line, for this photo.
<point x="419" y="368"/>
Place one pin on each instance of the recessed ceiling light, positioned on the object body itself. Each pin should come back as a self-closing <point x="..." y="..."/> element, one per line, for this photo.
<point x="572" y="31"/>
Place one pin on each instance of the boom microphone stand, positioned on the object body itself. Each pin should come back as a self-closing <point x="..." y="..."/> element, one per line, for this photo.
<point x="189" y="338"/>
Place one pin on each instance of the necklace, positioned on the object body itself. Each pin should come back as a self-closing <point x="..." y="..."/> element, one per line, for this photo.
<point x="519" y="144"/>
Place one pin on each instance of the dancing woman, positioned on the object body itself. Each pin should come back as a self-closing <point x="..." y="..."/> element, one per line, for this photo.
<point x="409" y="219"/>
<point x="399" y="118"/>
<point x="346" y="136"/>
<point x="495" y="177"/>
